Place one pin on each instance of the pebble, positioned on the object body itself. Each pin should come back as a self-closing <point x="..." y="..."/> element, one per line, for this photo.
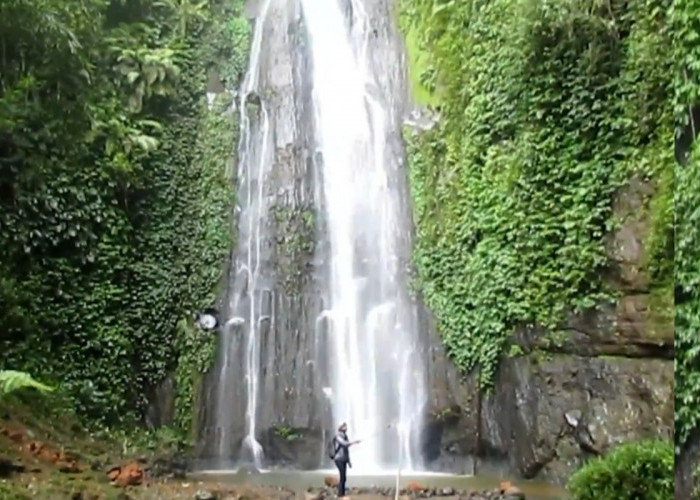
<point x="204" y="495"/>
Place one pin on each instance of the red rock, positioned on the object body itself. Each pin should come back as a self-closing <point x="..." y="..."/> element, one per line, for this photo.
<point x="413" y="486"/>
<point x="15" y="433"/>
<point x="330" y="481"/>
<point x="43" y="452"/>
<point x="504" y="486"/>
<point x="130" y="474"/>
<point x="113" y="473"/>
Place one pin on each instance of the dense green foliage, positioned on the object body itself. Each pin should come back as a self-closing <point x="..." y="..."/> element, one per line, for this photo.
<point x="546" y="110"/>
<point x="686" y="50"/>
<point x="687" y="326"/>
<point x="632" y="471"/>
<point x="115" y="188"/>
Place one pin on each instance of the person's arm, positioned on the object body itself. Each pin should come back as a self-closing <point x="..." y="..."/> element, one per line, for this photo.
<point x="343" y="442"/>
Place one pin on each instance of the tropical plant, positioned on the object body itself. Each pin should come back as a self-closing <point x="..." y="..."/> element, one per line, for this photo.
<point x="11" y="380"/>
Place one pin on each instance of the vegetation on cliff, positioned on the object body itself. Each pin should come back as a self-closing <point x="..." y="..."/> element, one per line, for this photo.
<point x="686" y="51"/>
<point x="546" y="110"/>
<point x="115" y="190"/>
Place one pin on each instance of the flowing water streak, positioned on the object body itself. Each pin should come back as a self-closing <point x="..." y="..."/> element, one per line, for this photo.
<point x="377" y="376"/>
<point x="244" y="301"/>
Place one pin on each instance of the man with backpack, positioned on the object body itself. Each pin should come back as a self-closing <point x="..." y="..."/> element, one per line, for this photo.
<point x="339" y="452"/>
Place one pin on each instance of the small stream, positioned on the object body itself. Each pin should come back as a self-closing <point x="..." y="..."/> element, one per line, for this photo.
<point x="300" y="481"/>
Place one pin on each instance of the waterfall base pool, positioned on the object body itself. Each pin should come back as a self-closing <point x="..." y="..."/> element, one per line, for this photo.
<point x="300" y="481"/>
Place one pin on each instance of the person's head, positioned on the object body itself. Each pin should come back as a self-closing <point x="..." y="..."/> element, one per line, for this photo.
<point x="343" y="427"/>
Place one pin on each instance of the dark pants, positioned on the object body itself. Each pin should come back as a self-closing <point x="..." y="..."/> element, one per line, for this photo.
<point x="343" y="470"/>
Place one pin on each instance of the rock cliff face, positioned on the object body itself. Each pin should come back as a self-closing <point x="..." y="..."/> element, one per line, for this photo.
<point x="289" y="386"/>
<point x="607" y="378"/>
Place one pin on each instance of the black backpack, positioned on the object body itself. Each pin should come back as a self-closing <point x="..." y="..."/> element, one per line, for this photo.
<point x="332" y="448"/>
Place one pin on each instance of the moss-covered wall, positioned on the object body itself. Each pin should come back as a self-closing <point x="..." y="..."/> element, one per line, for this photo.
<point x="547" y="109"/>
<point x="686" y="53"/>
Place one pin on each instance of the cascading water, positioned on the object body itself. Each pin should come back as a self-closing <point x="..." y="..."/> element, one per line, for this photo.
<point x="327" y="137"/>
<point x="246" y="299"/>
<point x="377" y="373"/>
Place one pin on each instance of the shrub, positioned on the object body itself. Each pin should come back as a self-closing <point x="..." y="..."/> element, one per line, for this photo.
<point x="639" y="471"/>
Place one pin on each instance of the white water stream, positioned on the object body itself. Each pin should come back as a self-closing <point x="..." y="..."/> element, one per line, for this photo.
<point x="254" y="161"/>
<point x="377" y="375"/>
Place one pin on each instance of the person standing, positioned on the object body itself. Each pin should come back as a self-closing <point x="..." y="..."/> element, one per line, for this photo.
<point x="341" y="457"/>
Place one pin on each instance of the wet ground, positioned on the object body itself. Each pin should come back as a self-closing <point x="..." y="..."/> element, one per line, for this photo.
<point x="301" y="481"/>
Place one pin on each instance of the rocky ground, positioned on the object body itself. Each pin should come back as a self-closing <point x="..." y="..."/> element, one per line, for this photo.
<point x="52" y="458"/>
<point x="413" y="490"/>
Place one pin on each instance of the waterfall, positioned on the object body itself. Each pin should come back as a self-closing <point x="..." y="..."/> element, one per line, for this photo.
<point x="247" y="296"/>
<point x="327" y="84"/>
<point x="377" y="374"/>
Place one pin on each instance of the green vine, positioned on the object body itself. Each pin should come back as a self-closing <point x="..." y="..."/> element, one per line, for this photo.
<point x="546" y="110"/>
<point x="687" y="346"/>
<point x="686" y="51"/>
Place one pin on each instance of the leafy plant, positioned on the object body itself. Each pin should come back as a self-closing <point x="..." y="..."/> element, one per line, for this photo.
<point x="11" y="380"/>
<point x="631" y="471"/>
<point x="286" y="432"/>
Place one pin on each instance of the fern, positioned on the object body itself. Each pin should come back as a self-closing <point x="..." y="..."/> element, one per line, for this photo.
<point x="11" y="380"/>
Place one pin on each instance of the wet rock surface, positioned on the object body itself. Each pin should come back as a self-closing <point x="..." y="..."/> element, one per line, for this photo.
<point x="175" y="467"/>
<point x="686" y="464"/>
<point x="293" y="447"/>
<point x="549" y="412"/>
